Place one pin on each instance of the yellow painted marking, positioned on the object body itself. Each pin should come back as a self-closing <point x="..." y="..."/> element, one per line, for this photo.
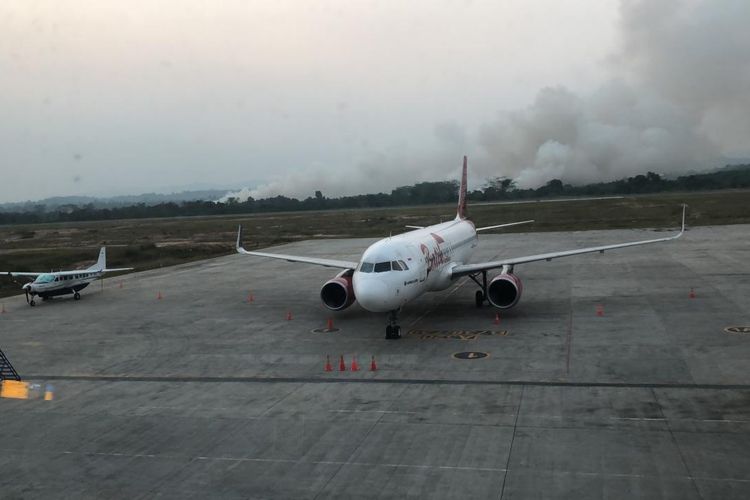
<point x="456" y="334"/>
<point x="737" y="329"/>
<point x="14" y="389"/>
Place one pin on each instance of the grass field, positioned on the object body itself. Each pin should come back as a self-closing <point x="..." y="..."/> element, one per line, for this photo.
<point x="151" y="243"/>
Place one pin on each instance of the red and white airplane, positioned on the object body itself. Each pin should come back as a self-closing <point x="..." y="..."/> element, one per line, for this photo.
<point x="398" y="269"/>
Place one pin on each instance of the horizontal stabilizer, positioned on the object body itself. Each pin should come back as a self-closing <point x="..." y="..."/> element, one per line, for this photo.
<point x="487" y="228"/>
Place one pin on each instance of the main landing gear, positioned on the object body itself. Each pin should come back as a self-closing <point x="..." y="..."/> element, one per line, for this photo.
<point x="393" y="331"/>
<point x="76" y="296"/>
<point x="481" y="296"/>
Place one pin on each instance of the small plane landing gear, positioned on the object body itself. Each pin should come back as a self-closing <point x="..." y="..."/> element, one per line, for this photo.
<point x="392" y="331"/>
<point x="76" y="296"/>
<point x="32" y="303"/>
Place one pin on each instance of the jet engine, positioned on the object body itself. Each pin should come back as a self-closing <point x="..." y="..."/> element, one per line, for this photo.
<point x="504" y="290"/>
<point x="338" y="293"/>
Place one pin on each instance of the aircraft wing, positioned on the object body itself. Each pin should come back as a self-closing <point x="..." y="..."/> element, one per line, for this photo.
<point x="21" y="274"/>
<point x="466" y="269"/>
<point x="117" y="269"/>
<point x="339" y="264"/>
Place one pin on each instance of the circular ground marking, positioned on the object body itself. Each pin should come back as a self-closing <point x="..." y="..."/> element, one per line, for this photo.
<point x="738" y="329"/>
<point x="324" y="330"/>
<point x="471" y="355"/>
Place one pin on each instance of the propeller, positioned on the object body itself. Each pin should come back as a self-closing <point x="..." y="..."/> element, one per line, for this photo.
<point x="26" y="289"/>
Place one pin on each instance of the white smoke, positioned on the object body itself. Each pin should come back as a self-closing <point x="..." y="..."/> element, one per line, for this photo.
<point x="678" y="99"/>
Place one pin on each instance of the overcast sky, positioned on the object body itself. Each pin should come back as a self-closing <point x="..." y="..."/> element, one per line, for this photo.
<point x="285" y="97"/>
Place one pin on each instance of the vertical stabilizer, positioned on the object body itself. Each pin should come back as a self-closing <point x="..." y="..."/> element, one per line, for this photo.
<point x="462" y="195"/>
<point x="102" y="262"/>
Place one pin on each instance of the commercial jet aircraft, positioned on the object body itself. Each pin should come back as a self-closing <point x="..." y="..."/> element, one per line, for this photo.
<point x="51" y="284"/>
<point x="398" y="269"/>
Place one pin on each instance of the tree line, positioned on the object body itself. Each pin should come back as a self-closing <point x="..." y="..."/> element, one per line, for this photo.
<point x="497" y="189"/>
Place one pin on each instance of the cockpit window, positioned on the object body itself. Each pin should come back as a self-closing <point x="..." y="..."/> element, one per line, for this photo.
<point x="396" y="266"/>
<point x="382" y="267"/>
<point x="45" y="278"/>
<point x="366" y="267"/>
<point x="403" y="265"/>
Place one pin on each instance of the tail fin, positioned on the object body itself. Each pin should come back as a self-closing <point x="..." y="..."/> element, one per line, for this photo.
<point x="102" y="262"/>
<point x="462" y="195"/>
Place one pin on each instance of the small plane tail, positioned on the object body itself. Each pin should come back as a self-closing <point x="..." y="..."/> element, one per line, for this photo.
<point x="461" y="213"/>
<point x="101" y="263"/>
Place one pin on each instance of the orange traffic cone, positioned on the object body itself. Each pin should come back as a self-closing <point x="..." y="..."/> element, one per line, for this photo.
<point x="342" y="365"/>
<point x="329" y="327"/>
<point x="289" y="316"/>
<point x="599" y="310"/>
<point x="328" y="366"/>
<point x="355" y="366"/>
<point x="158" y="295"/>
<point x="497" y="318"/>
<point x="373" y="366"/>
<point x="692" y="293"/>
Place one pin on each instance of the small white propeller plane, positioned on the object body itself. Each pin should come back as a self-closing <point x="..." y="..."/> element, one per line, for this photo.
<point x="398" y="269"/>
<point x="47" y="285"/>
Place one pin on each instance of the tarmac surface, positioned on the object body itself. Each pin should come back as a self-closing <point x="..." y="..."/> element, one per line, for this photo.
<point x="607" y="380"/>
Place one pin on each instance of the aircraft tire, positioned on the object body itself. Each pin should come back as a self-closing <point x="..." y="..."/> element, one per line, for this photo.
<point x="32" y="303"/>
<point x="479" y="298"/>
<point x="76" y="296"/>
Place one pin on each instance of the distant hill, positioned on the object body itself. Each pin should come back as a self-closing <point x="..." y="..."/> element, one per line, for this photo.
<point x="60" y="202"/>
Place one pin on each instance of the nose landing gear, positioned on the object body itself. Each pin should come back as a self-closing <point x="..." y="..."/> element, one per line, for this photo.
<point x="393" y="331"/>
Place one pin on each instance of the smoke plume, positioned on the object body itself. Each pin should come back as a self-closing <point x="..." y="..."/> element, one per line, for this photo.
<point x="677" y="99"/>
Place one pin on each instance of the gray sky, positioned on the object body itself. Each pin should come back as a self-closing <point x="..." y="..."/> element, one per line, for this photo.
<point x="105" y="97"/>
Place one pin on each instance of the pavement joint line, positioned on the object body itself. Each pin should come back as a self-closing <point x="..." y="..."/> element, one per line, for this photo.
<point x="677" y="446"/>
<point x="416" y="381"/>
<point x="392" y="465"/>
<point x="358" y="447"/>
<point x="512" y="440"/>
<point x="374" y="411"/>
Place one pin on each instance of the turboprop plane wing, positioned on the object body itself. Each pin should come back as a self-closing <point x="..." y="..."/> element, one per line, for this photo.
<point x="15" y="274"/>
<point x="466" y="269"/>
<point x="339" y="264"/>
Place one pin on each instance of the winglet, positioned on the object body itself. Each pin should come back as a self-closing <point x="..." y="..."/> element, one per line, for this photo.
<point x="462" y="195"/>
<point x="684" y="209"/>
<point x="239" y="246"/>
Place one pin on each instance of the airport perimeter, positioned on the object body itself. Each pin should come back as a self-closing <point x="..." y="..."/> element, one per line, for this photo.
<point x="608" y="380"/>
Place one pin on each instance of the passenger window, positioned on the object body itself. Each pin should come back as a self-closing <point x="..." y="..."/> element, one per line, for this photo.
<point x="403" y="265"/>
<point x="366" y="267"/>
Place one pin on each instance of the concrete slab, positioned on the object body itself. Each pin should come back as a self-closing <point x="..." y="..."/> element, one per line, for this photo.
<point x="204" y="394"/>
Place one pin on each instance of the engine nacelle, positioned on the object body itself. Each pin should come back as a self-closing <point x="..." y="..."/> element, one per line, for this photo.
<point x="338" y="293"/>
<point x="504" y="290"/>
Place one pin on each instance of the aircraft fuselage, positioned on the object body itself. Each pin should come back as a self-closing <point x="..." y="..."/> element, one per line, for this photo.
<point x="380" y="282"/>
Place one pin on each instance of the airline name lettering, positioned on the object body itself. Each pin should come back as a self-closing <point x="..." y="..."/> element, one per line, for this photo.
<point x="434" y="259"/>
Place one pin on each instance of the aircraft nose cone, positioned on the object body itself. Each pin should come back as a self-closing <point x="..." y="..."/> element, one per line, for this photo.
<point x="373" y="295"/>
